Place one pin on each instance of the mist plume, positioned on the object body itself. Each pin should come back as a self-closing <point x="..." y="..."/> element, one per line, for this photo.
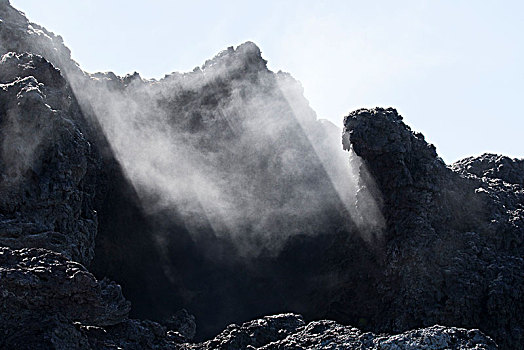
<point x="233" y="146"/>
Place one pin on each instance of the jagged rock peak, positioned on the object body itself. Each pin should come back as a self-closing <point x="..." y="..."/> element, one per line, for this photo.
<point x="395" y="155"/>
<point x="18" y="34"/>
<point x="246" y="58"/>
<point x="289" y="331"/>
<point x="15" y="65"/>
<point x="492" y="166"/>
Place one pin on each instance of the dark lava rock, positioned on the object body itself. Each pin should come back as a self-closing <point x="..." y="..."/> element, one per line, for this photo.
<point x="183" y="323"/>
<point x="289" y="332"/>
<point x="19" y="35"/>
<point x="50" y="302"/>
<point x="445" y="247"/>
<point x="130" y="334"/>
<point x="453" y="243"/>
<point x="38" y="285"/>
<point x="330" y="335"/>
<point x="255" y="333"/>
<point x="493" y="166"/>
<point x="48" y="168"/>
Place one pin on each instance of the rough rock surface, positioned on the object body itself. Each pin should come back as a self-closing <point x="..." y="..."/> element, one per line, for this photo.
<point x="19" y="35"/>
<point x="445" y="248"/>
<point x="453" y="244"/>
<point x="492" y="166"/>
<point x="290" y="332"/>
<point x="265" y="217"/>
<point x="48" y="166"/>
<point x="38" y="285"/>
<point x="48" y="301"/>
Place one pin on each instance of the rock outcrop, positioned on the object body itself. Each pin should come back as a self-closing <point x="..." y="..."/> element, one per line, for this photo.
<point x="492" y="166"/>
<point x="218" y="191"/>
<point x="38" y="284"/>
<point x="49" y="168"/>
<point x="453" y="244"/>
<point x="290" y="332"/>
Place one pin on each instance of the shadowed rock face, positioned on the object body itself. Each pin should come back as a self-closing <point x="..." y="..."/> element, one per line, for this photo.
<point x="48" y="167"/>
<point x="42" y="292"/>
<point x="202" y="272"/>
<point x="454" y="235"/>
<point x="492" y="166"/>
<point x="45" y="283"/>
<point x="445" y="247"/>
<point x="289" y="331"/>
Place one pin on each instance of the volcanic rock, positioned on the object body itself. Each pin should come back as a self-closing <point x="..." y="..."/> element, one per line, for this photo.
<point x="288" y="331"/>
<point x="48" y="166"/>
<point x="453" y="248"/>
<point x="218" y="191"/>
<point x="38" y="286"/>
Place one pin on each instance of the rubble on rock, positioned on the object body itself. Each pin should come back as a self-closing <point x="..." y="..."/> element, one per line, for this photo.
<point x="290" y="332"/>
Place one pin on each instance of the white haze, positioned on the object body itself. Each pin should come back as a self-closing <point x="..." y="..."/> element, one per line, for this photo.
<point x="247" y="168"/>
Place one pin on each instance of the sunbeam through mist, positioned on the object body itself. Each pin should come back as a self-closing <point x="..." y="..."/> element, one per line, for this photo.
<point x="233" y="146"/>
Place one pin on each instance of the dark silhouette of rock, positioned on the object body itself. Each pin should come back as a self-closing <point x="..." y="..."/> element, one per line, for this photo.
<point x="183" y="323"/>
<point x="493" y="166"/>
<point x="256" y="333"/>
<point x="38" y="285"/>
<point x="453" y="243"/>
<point x="48" y="166"/>
<point x="131" y="334"/>
<point x="290" y="332"/>
<point x="266" y="229"/>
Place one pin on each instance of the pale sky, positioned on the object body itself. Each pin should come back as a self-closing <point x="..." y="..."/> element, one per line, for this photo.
<point x="454" y="69"/>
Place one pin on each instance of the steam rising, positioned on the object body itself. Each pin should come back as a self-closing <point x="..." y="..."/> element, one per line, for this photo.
<point x="234" y="147"/>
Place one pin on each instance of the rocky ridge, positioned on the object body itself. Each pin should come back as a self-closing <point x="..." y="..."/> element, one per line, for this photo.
<point x="289" y="331"/>
<point x="48" y="165"/>
<point x="453" y="243"/>
<point x="65" y="203"/>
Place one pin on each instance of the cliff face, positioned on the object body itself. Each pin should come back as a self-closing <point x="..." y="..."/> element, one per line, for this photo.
<point x="454" y="235"/>
<point x="49" y="168"/>
<point x="234" y="188"/>
<point x="220" y="192"/>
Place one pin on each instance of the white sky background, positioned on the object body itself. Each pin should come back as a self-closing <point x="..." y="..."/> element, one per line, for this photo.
<point x="454" y="69"/>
